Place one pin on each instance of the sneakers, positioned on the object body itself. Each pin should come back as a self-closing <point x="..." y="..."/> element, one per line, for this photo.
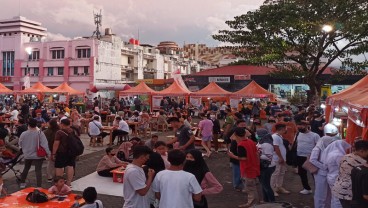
<point x="305" y="191"/>
<point x="22" y="185"/>
<point x="275" y="194"/>
<point x="282" y="190"/>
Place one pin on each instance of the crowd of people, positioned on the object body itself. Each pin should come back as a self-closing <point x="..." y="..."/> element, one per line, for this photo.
<point x="261" y="140"/>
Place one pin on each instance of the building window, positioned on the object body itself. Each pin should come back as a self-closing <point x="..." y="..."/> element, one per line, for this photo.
<point x="8" y="63"/>
<point x="57" y="54"/>
<point x="84" y="53"/>
<point x="50" y="71"/>
<point x="75" y="70"/>
<point x="35" y="55"/>
<point x="60" y="70"/>
<point x="27" y="70"/>
<point x="85" y="70"/>
<point x="36" y="71"/>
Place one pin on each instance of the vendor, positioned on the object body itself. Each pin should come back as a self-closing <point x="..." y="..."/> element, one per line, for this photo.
<point x="108" y="163"/>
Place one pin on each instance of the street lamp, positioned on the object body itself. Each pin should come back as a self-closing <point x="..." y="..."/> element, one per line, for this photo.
<point x="29" y="52"/>
<point x="327" y="28"/>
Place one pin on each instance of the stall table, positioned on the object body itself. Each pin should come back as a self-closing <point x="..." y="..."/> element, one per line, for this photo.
<point x="109" y="129"/>
<point x="18" y="200"/>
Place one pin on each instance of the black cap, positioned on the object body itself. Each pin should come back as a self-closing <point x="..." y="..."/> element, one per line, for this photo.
<point x="239" y="131"/>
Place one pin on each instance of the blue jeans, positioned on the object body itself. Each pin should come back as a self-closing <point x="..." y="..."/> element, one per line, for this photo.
<point x="237" y="183"/>
<point x="265" y="179"/>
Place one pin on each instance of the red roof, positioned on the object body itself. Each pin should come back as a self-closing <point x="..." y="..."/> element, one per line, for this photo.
<point x="4" y="89"/>
<point x="64" y="87"/>
<point x="243" y="70"/>
<point x="38" y="88"/>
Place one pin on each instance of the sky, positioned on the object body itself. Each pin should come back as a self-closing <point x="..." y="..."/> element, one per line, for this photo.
<point x="182" y="21"/>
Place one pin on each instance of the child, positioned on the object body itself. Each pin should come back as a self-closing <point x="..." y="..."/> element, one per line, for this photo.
<point x="161" y="148"/>
<point x="90" y="196"/>
<point x="59" y="187"/>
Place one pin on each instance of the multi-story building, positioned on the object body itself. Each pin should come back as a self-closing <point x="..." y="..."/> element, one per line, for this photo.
<point x="85" y="63"/>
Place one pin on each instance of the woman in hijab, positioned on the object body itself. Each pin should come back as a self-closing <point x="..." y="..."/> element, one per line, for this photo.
<point x="331" y="158"/>
<point x="322" y="194"/>
<point x="196" y="165"/>
<point x="268" y="165"/>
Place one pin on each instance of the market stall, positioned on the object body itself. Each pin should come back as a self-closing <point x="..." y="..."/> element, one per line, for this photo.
<point x="174" y="90"/>
<point x="353" y="103"/>
<point x="141" y="90"/>
<point x="252" y="90"/>
<point x="37" y="89"/>
<point x="64" y="91"/>
<point x="211" y="91"/>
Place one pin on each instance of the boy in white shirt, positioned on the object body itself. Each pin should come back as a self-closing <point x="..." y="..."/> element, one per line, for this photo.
<point x="175" y="187"/>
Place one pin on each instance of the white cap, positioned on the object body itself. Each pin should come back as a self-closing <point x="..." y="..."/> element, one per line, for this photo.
<point x="330" y="129"/>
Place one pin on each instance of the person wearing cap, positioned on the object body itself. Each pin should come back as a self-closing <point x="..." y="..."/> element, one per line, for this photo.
<point x="28" y="142"/>
<point x="267" y="154"/>
<point x="317" y="123"/>
<point x="249" y="166"/>
<point x="183" y="135"/>
<point x="322" y="195"/>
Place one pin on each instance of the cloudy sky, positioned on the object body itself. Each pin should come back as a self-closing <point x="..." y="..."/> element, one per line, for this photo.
<point x="182" y="21"/>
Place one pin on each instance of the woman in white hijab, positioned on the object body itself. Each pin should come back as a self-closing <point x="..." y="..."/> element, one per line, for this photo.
<point x="322" y="193"/>
<point x="331" y="158"/>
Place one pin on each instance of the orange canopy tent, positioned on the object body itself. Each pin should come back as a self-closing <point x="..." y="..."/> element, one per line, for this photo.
<point x="355" y="100"/>
<point x="173" y="90"/>
<point x="253" y="90"/>
<point x="5" y="90"/>
<point x="37" y="88"/>
<point x="65" y="88"/>
<point x="140" y="89"/>
<point x="211" y="90"/>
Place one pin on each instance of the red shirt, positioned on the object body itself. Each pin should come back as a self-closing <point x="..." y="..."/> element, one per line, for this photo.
<point x="249" y="168"/>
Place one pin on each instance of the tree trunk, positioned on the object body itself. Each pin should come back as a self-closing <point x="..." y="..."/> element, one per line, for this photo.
<point x="314" y="95"/>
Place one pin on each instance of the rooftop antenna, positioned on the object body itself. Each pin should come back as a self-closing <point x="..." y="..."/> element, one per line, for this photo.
<point x="98" y="21"/>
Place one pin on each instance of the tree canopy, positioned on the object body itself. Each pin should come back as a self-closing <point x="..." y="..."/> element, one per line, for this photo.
<point x="292" y="34"/>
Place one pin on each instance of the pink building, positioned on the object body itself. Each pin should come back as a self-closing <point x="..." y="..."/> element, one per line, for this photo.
<point x="82" y="63"/>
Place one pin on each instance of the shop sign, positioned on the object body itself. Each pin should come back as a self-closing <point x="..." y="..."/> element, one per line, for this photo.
<point x="219" y="79"/>
<point x="158" y="81"/>
<point x="5" y="79"/>
<point x="242" y="77"/>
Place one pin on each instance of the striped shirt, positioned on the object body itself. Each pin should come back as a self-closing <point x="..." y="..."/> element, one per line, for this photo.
<point x="342" y="188"/>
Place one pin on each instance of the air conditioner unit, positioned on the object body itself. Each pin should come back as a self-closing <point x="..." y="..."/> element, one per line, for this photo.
<point x="86" y="74"/>
<point x="31" y="75"/>
<point x="82" y="74"/>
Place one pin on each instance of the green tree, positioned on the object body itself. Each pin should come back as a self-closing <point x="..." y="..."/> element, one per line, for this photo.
<point x="292" y="35"/>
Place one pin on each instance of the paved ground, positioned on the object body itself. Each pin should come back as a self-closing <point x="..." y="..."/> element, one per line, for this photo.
<point x="218" y="164"/>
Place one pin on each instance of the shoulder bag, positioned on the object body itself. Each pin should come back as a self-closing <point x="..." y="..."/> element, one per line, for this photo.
<point x="41" y="152"/>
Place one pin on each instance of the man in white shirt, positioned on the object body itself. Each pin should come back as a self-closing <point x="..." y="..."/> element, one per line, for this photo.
<point x="123" y="129"/>
<point x="136" y="185"/>
<point x="175" y="187"/>
<point x="14" y="114"/>
<point x="94" y="127"/>
<point x="277" y="178"/>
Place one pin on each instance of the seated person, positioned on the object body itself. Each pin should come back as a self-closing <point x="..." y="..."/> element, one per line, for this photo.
<point x="59" y="187"/>
<point x="108" y="163"/>
<point x="90" y="197"/>
<point x="125" y="151"/>
<point x="161" y="148"/>
<point x="95" y="130"/>
<point x="122" y="129"/>
<point x="151" y="142"/>
<point x="22" y="127"/>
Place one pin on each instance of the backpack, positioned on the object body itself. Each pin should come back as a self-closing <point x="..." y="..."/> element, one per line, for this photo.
<point x="75" y="145"/>
<point x="36" y="196"/>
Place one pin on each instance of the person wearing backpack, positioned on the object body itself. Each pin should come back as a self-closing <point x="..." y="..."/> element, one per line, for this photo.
<point x="65" y="149"/>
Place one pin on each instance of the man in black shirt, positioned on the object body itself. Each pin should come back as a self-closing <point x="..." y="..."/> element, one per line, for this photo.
<point x="183" y="135"/>
<point x="233" y="151"/>
<point x="359" y="179"/>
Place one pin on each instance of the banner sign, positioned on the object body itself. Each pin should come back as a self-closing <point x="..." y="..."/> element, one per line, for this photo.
<point x="156" y="102"/>
<point x="219" y="79"/>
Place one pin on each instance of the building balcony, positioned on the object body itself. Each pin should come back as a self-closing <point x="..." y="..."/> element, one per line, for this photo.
<point x="149" y="56"/>
<point x="52" y="78"/>
<point x="79" y="78"/>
